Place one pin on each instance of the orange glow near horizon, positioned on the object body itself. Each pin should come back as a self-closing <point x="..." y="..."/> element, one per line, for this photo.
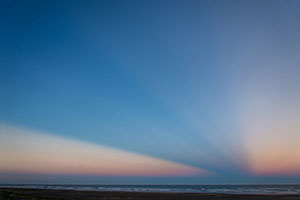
<point x="271" y="128"/>
<point x="274" y="152"/>
<point x="24" y="151"/>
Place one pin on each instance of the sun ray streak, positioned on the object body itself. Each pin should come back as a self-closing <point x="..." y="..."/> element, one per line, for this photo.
<point x="26" y="151"/>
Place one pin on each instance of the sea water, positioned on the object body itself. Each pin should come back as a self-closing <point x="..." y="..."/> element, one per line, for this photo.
<point x="228" y="189"/>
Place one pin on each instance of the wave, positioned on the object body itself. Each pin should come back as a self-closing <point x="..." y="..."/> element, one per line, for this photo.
<point x="225" y="189"/>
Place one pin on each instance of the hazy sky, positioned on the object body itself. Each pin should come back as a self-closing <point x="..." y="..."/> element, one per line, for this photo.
<point x="191" y="92"/>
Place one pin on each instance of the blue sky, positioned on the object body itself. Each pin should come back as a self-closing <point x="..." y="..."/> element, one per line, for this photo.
<point x="207" y="84"/>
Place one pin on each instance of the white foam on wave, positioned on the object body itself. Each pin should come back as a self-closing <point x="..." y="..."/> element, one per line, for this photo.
<point x="254" y="189"/>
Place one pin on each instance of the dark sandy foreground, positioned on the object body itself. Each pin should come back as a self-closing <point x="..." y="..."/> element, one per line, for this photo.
<point x="36" y="194"/>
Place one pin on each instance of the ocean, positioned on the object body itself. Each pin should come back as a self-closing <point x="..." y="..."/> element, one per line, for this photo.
<point x="225" y="189"/>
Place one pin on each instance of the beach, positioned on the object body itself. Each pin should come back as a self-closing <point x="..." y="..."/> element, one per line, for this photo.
<point x="36" y="194"/>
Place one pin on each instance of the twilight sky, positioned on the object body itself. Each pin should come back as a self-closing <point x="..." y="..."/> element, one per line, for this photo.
<point x="150" y="92"/>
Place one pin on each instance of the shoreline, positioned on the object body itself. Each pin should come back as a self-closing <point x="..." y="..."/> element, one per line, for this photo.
<point x="263" y="189"/>
<point x="53" y="194"/>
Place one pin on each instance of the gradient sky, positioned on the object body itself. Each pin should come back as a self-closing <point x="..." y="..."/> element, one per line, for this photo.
<point x="150" y="92"/>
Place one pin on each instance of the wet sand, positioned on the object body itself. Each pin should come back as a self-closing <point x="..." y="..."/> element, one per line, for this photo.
<point x="38" y="194"/>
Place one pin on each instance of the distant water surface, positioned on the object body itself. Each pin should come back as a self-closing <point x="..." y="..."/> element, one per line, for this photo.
<point x="228" y="189"/>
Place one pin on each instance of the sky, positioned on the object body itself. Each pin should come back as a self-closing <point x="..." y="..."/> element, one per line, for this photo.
<point x="150" y="92"/>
